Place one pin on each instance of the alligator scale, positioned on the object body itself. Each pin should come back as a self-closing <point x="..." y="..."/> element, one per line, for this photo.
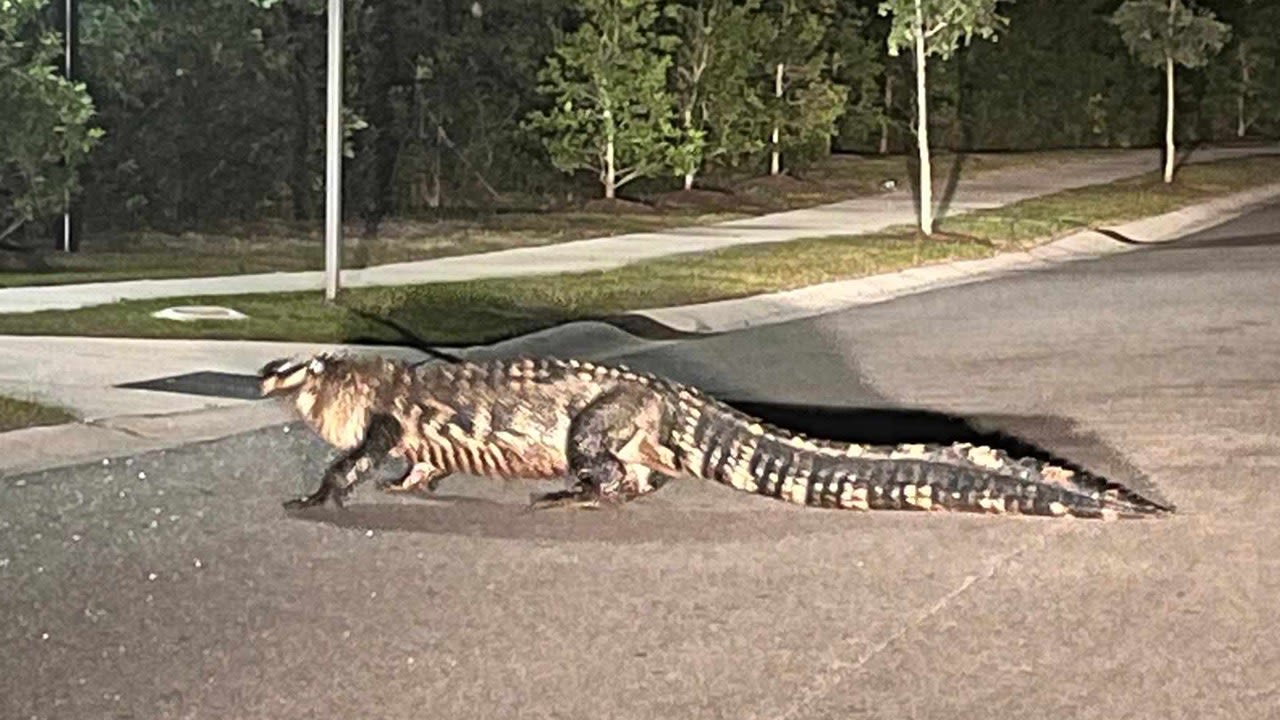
<point x="614" y="435"/>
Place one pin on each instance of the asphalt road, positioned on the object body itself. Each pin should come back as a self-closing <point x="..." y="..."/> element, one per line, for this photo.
<point x="173" y="585"/>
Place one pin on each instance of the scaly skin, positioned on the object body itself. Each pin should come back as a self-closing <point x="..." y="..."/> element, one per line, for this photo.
<point x="617" y="435"/>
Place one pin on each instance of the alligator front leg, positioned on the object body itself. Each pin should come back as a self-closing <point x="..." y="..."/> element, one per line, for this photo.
<point x="352" y="467"/>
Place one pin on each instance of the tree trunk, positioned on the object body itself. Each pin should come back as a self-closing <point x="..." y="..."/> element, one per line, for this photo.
<point x="688" y="126"/>
<point x="1168" y="107"/>
<point x="610" y="178"/>
<point x="436" y="193"/>
<point x="1242" y="125"/>
<point x="922" y="129"/>
<point x="610" y="172"/>
<point x="884" y="121"/>
<point x="1168" y="124"/>
<point x="775" y="158"/>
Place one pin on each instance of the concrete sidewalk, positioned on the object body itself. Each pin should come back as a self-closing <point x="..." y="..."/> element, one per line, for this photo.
<point x="861" y="215"/>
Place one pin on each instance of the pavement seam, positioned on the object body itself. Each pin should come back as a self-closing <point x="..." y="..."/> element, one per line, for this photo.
<point x="108" y="424"/>
<point x="827" y="681"/>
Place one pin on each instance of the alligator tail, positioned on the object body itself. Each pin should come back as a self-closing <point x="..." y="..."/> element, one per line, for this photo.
<point x="727" y="447"/>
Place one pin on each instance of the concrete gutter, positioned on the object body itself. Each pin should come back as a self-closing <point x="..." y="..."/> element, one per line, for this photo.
<point x="41" y="448"/>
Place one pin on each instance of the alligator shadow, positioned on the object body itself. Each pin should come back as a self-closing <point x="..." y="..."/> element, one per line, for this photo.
<point x="667" y="517"/>
<point x="647" y="520"/>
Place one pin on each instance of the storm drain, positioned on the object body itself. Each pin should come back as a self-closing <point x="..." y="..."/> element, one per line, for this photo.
<point x="205" y="382"/>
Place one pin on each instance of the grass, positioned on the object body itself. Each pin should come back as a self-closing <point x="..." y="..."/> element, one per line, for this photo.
<point x="283" y="246"/>
<point x="16" y="414"/>
<point x="1032" y="221"/>
<point x="488" y="310"/>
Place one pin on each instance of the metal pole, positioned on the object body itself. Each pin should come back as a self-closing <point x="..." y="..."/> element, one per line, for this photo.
<point x="333" y="157"/>
<point x="70" y="239"/>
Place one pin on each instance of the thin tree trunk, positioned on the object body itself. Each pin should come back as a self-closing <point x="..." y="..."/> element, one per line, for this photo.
<point x="688" y="126"/>
<point x="1168" y="107"/>
<point x="884" y="121"/>
<point x="610" y="178"/>
<point x="1168" y="125"/>
<point x="436" y="194"/>
<point x="775" y="158"/>
<point x="610" y="172"/>
<point x="1242" y="125"/>
<point x="922" y="129"/>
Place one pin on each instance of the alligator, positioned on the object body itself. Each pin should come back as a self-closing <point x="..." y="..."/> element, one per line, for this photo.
<point x="613" y="435"/>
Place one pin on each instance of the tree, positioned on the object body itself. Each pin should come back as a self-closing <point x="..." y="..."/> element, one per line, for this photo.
<point x="198" y="104"/>
<point x="45" y="134"/>
<point x="1254" y="52"/>
<point x="1167" y="33"/>
<point x="856" y="62"/>
<point x="935" y="27"/>
<point x="720" y="43"/>
<point x="1063" y="79"/>
<point x="802" y="102"/>
<point x="612" y="111"/>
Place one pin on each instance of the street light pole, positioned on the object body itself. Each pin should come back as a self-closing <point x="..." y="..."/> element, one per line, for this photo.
<point x="333" y="157"/>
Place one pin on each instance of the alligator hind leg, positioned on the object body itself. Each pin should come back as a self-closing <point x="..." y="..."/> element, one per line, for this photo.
<point x="611" y="451"/>
<point x="637" y="482"/>
<point x="422" y="478"/>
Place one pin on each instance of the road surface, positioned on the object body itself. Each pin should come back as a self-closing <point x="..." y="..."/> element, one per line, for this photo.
<point x="172" y="585"/>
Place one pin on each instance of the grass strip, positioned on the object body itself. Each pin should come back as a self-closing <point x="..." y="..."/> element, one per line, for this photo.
<point x="482" y="311"/>
<point x="16" y="414"/>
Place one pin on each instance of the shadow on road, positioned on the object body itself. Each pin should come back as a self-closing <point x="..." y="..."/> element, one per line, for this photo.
<point x="1048" y="438"/>
<point x="647" y="520"/>
<point x="1194" y="242"/>
<point x="953" y="183"/>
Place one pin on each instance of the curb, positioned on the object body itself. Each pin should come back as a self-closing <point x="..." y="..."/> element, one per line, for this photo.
<point x="52" y="446"/>
<point x="96" y="439"/>
<point x="812" y="300"/>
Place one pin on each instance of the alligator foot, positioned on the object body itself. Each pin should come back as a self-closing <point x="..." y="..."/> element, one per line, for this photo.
<point x="581" y="499"/>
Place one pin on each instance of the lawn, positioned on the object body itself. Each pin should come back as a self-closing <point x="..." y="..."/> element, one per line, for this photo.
<point x="519" y="222"/>
<point x="482" y="311"/>
<point x="16" y="414"/>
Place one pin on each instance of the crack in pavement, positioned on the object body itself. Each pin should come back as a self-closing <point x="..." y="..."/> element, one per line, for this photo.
<point x="839" y="669"/>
